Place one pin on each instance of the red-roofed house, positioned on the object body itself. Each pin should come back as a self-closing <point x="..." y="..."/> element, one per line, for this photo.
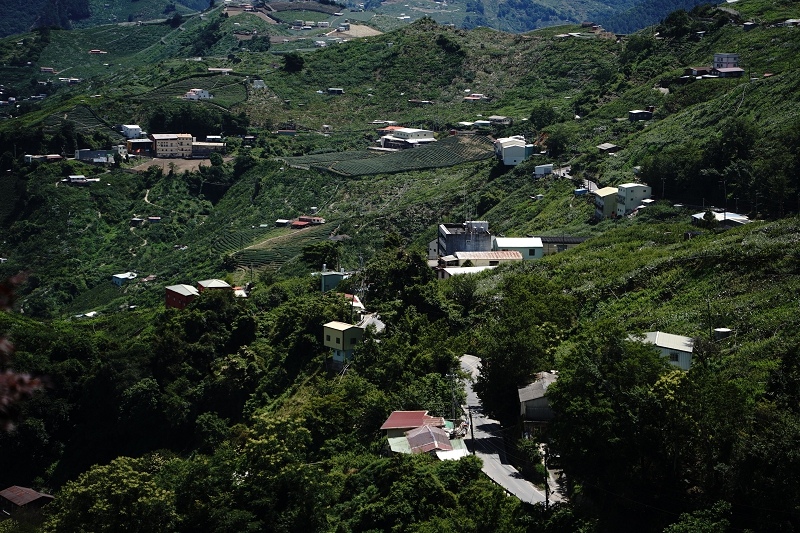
<point x="16" y="499"/>
<point x="401" y="421"/>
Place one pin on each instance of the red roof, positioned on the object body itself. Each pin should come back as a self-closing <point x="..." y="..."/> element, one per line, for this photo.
<point x="21" y="496"/>
<point x="300" y="224"/>
<point x="427" y="438"/>
<point x="411" y="420"/>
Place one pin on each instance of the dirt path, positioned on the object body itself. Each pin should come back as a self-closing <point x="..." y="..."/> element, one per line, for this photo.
<point x="279" y="238"/>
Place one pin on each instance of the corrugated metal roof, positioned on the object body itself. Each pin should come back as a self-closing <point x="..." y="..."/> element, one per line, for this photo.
<point x="426" y="438"/>
<point x="511" y="254"/>
<point x="537" y="389"/>
<point x="20" y="496"/>
<point x="605" y="191"/>
<point x="214" y="284"/>
<point x="456" y="271"/>
<point x="670" y="341"/>
<point x="339" y="326"/>
<point x="183" y="290"/>
<point x="411" y="419"/>
<point x="518" y="242"/>
<point x="563" y="240"/>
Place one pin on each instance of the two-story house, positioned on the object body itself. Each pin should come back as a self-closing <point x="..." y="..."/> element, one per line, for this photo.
<point x="342" y="338"/>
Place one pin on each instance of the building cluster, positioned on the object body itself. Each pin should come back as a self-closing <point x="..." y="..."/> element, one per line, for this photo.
<point x="470" y="247"/>
<point x="612" y="202"/>
<point x="725" y="65"/>
<point x="416" y="432"/>
<point x="303" y="221"/>
<point x="179" y="296"/>
<point x="169" y="145"/>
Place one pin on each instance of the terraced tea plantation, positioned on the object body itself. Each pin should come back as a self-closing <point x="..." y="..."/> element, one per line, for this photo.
<point x="445" y="153"/>
<point x="85" y="121"/>
<point x="226" y="90"/>
<point x="325" y="161"/>
<point x="272" y="254"/>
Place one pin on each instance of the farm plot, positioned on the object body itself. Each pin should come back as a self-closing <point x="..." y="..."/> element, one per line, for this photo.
<point x="446" y="153"/>
<point x="324" y="161"/>
<point x="237" y="240"/>
<point x="227" y="90"/>
<point x="84" y="119"/>
<point x="273" y="253"/>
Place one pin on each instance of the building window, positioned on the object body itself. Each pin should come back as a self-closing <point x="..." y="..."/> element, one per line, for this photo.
<point x="352" y="340"/>
<point x="532" y="251"/>
<point x="327" y="338"/>
<point x="494" y="263"/>
<point x="337" y="340"/>
<point x="673" y="357"/>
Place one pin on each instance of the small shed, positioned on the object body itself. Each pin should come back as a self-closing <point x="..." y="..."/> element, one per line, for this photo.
<point x="213" y="284"/>
<point x="179" y="296"/>
<point x="120" y="279"/>
<point x="18" y="500"/>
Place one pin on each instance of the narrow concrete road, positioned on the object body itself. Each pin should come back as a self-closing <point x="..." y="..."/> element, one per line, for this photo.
<point x="488" y="444"/>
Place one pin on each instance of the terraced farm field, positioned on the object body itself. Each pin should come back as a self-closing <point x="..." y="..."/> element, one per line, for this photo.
<point x="227" y="90"/>
<point x="445" y="153"/>
<point x="84" y="119"/>
<point x="68" y="51"/>
<point x="273" y="253"/>
<point x="324" y="161"/>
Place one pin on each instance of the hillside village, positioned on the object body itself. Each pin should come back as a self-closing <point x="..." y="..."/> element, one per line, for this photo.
<point x="300" y="265"/>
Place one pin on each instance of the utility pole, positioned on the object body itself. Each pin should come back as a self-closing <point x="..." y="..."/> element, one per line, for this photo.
<point x="471" y="429"/>
<point x="546" y="482"/>
<point x="453" y="396"/>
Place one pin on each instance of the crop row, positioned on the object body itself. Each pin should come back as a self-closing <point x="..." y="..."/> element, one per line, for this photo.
<point x="323" y="160"/>
<point x="449" y="152"/>
<point x="230" y="242"/>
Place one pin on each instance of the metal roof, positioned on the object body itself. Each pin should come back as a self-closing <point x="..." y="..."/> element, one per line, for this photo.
<point x="605" y="191"/>
<point x="670" y="341"/>
<point x="537" y="389"/>
<point x="340" y="326"/>
<point x="518" y="242"/>
<point x="510" y="254"/>
<point x="21" y="496"/>
<point x="410" y="420"/>
<point x="563" y="239"/>
<point x="426" y="438"/>
<point x="183" y="290"/>
<point x="214" y="284"/>
<point x="457" y="271"/>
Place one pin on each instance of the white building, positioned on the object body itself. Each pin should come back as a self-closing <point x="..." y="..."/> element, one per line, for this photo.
<point x="630" y="196"/>
<point x="512" y="150"/>
<point x="725" y="60"/>
<point x="131" y="131"/>
<point x="406" y="138"/>
<point x="528" y="247"/>
<point x="676" y="348"/>
<point x="197" y="94"/>
<point x="542" y="170"/>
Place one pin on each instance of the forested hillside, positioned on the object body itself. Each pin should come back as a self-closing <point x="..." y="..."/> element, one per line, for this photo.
<point x="229" y="414"/>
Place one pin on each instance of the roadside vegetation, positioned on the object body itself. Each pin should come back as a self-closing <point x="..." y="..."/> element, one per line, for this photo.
<point x="225" y="416"/>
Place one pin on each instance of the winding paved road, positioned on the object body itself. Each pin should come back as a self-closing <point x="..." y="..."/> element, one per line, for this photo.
<point x="488" y="444"/>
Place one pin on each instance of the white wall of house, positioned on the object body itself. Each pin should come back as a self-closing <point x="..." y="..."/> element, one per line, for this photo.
<point x="630" y="196"/>
<point x="528" y="247"/>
